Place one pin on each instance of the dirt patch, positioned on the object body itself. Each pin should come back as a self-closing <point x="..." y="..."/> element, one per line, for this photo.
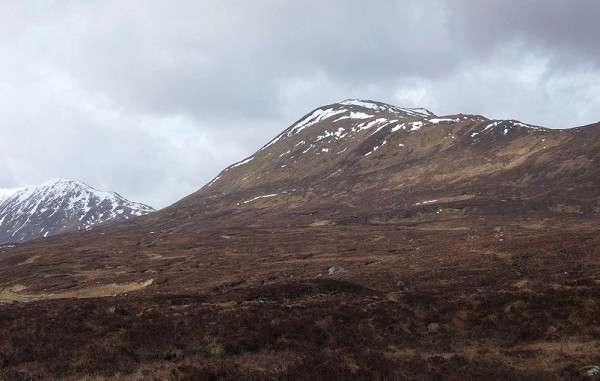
<point x="17" y="292"/>
<point x="562" y="208"/>
<point x="322" y="223"/>
<point x="103" y="290"/>
<point x="30" y="260"/>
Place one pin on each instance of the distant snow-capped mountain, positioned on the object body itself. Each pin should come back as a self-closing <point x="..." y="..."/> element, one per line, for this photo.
<point x="59" y="206"/>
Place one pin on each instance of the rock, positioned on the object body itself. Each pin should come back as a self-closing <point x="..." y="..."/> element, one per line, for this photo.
<point x="433" y="328"/>
<point x="263" y="299"/>
<point x="499" y="232"/>
<point x="591" y="371"/>
<point x="175" y="355"/>
<point x="335" y="269"/>
<point x="401" y="285"/>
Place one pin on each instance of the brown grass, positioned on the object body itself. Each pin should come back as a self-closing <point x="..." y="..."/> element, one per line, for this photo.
<point x="243" y="304"/>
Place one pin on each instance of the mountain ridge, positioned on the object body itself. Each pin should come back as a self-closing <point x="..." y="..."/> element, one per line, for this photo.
<point x="344" y="150"/>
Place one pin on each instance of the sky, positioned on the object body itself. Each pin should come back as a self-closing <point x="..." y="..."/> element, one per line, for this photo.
<point x="152" y="99"/>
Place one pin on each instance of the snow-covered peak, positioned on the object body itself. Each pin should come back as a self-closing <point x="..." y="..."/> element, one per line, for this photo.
<point x="57" y="206"/>
<point x="378" y="106"/>
<point x="356" y="110"/>
<point x="55" y="184"/>
<point x="64" y="186"/>
<point x="59" y="181"/>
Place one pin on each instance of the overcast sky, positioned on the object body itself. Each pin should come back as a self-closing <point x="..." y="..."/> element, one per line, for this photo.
<point x="152" y="99"/>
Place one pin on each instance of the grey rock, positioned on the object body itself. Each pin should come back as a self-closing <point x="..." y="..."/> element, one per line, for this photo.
<point x="433" y="328"/>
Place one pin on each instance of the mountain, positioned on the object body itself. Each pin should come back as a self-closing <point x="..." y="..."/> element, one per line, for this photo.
<point x="372" y="162"/>
<point x="366" y="241"/>
<point x="59" y="206"/>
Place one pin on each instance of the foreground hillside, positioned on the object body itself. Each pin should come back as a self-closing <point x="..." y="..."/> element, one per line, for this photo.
<point x="355" y="302"/>
<point x="471" y="255"/>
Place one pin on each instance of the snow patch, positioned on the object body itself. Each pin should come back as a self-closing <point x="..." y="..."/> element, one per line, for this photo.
<point x="242" y="162"/>
<point x="360" y="103"/>
<point x="426" y="202"/>
<point x="416" y="126"/>
<point x="360" y="115"/>
<point x="213" y="181"/>
<point x="377" y="130"/>
<point x="386" y="108"/>
<point x="5" y="192"/>
<point x="441" y="120"/>
<point x="537" y="128"/>
<point x="376" y="148"/>
<point x="340" y="132"/>
<point x="493" y="124"/>
<point x="365" y="126"/>
<point x="334" y="173"/>
<point x="314" y="118"/>
<point x="259" y="197"/>
<point x="398" y="127"/>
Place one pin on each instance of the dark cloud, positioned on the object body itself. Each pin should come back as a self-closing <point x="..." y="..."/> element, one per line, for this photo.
<point x="154" y="98"/>
<point x="565" y="31"/>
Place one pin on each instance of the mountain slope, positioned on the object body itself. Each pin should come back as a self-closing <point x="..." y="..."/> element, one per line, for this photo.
<point x="59" y="206"/>
<point x="368" y="161"/>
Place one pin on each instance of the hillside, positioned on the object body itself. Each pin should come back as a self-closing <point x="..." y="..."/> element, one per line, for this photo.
<point x="371" y="162"/>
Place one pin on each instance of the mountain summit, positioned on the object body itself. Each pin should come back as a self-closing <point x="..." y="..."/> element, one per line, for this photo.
<point x="370" y="161"/>
<point x="59" y="206"/>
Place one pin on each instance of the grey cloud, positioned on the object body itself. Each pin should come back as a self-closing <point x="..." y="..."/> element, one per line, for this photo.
<point x="189" y="63"/>
<point x="154" y="98"/>
<point x="566" y="31"/>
